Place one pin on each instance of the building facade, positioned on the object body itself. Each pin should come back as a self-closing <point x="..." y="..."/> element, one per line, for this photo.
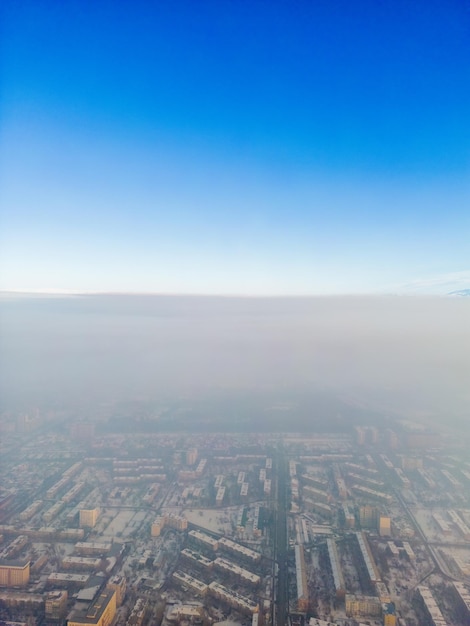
<point x="14" y="573"/>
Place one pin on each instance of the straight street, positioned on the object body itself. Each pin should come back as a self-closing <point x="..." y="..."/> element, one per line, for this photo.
<point x="280" y="540"/>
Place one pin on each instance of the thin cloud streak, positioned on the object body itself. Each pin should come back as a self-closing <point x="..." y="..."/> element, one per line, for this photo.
<point x="440" y="284"/>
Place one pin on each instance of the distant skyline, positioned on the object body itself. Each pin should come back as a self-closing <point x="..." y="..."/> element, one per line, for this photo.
<point x="235" y="148"/>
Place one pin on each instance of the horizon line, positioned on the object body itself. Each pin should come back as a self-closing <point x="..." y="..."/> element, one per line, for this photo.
<point x="78" y="293"/>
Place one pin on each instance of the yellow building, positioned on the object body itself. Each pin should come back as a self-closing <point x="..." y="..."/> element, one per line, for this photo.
<point x="368" y="516"/>
<point x="390" y="617"/>
<point x="157" y="526"/>
<point x="385" y="529"/>
<point x="177" y="522"/>
<point x="362" y="606"/>
<point x="14" y="573"/>
<point x="301" y="579"/>
<point x="118" y="584"/>
<point x="101" y="612"/>
<point x="56" y="605"/>
<point x="191" y="456"/>
<point x="89" y="517"/>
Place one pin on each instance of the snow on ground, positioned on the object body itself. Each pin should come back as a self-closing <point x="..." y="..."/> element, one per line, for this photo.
<point x="215" y="520"/>
<point x="429" y="527"/>
<point x="124" y="523"/>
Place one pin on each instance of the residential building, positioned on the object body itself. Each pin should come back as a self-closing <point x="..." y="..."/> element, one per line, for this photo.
<point x="14" y="573"/>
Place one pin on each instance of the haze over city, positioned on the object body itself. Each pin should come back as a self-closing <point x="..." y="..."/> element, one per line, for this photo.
<point x="234" y="150"/>
<point x="235" y="313"/>
<point x="393" y="354"/>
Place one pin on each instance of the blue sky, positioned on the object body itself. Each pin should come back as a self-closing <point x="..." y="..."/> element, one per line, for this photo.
<point x="235" y="147"/>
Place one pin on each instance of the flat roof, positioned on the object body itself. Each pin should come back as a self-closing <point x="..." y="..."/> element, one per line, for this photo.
<point x="96" y="609"/>
<point x="15" y="564"/>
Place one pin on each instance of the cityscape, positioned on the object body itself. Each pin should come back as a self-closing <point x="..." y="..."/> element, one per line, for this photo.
<point x="235" y="313"/>
<point x="366" y="526"/>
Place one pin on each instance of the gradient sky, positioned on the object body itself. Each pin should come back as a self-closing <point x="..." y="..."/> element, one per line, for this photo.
<point x="235" y="147"/>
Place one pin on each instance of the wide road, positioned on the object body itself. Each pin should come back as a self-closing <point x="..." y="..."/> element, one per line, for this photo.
<point x="281" y="539"/>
